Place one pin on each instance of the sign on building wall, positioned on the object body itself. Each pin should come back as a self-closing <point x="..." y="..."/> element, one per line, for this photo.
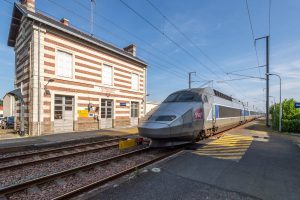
<point x="83" y="113"/>
<point x="297" y="104"/>
<point x="122" y="103"/>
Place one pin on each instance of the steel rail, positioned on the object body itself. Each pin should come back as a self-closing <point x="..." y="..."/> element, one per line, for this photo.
<point x="57" y="157"/>
<point x="96" y="184"/>
<point x="56" y="150"/>
<point x="18" y="187"/>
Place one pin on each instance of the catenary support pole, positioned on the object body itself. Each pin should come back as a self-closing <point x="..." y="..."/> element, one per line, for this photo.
<point x="267" y="77"/>
<point x="190" y="79"/>
<point x="267" y="81"/>
<point x="280" y="103"/>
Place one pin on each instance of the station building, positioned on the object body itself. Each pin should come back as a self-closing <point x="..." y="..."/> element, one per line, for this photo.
<point x="69" y="80"/>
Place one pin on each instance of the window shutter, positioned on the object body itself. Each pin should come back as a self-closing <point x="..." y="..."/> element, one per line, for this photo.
<point x="135" y="81"/>
<point x="107" y="75"/>
<point x="64" y="64"/>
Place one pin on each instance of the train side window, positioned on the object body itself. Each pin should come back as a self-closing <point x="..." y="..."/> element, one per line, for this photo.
<point x="205" y="98"/>
<point x="197" y="98"/>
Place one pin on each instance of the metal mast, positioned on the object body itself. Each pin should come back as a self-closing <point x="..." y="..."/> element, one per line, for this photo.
<point x="93" y="3"/>
<point x="267" y="77"/>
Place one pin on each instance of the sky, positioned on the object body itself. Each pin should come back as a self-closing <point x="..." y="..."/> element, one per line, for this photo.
<point x="210" y="37"/>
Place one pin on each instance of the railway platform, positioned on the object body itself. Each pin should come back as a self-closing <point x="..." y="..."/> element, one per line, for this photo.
<point x="14" y="141"/>
<point x="249" y="162"/>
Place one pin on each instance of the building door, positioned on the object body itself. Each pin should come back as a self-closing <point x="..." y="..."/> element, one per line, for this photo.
<point x="63" y="113"/>
<point x="106" y="113"/>
<point x="134" y="108"/>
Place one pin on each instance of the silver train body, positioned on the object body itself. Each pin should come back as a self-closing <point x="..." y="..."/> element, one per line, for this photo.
<point x="189" y="115"/>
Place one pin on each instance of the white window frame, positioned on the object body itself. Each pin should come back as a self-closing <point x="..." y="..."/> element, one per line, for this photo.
<point x="138" y="109"/>
<point x="138" y="81"/>
<point x="57" y="66"/>
<point x="112" y="74"/>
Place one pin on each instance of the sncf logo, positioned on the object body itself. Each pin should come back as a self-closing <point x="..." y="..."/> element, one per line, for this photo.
<point x="198" y="113"/>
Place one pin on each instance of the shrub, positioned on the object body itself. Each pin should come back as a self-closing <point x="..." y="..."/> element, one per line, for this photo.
<point x="291" y="125"/>
<point x="290" y="116"/>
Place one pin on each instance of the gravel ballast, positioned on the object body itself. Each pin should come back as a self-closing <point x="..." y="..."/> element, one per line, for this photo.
<point x="29" y="172"/>
<point x="68" y="183"/>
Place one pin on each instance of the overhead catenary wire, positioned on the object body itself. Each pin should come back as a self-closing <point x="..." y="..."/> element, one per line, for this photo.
<point x="121" y="37"/>
<point x="130" y="33"/>
<point x="185" y="36"/>
<point x="236" y="79"/>
<point x="162" y="68"/>
<point x="30" y="23"/>
<point x="188" y="39"/>
<point x="245" y="69"/>
<point x="253" y="35"/>
<point x="171" y="40"/>
<point x="110" y="32"/>
<point x="243" y="75"/>
<point x="167" y="36"/>
<point x="113" y="34"/>
<point x="153" y="53"/>
<point x="102" y="28"/>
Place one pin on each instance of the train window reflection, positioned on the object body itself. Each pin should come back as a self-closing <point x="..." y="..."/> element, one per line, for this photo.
<point x="183" y="97"/>
<point x="186" y="97"/>
<point x="172" y="98"/>
<point x="166" y="118"/>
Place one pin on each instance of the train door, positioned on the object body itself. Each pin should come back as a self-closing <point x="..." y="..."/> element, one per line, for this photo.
<point x="215" y="115"/>
<point x="134" y="110"/>
<point x="63" y="113"/>
<point x="106" y="113"/>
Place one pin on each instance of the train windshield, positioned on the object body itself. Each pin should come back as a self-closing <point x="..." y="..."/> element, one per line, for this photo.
<point x="184" y="96"/>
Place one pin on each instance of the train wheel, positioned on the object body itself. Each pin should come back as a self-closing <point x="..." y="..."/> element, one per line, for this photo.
<point x="203" y="134"/>
<point x="198" y="138"/>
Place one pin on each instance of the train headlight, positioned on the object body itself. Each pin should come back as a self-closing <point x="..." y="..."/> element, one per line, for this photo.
<point x="165" y="118"/>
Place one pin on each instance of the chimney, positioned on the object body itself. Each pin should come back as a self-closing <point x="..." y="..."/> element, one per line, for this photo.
<point x="29" y="4"/>
<point x="65" y="21"/>
<point x="131" y="49"/>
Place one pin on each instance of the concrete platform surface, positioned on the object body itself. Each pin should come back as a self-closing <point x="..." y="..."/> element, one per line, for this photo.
<point x="10" y="140"/>
<point x="251" y="162"/>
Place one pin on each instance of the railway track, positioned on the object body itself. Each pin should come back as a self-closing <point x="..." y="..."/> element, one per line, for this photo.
<point x="74" y="181"/>
<point x="54" y="154"/>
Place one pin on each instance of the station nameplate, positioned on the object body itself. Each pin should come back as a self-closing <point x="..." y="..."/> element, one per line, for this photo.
<point x="122" y="103"/>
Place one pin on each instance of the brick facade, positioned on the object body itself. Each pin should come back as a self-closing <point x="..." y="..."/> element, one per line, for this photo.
<point x="36" y="49"/>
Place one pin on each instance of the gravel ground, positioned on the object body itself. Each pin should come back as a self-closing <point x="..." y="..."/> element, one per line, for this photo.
<point x="28" y="172"/>
<point x="53" y="189"/>
<point x="51" y="155"/>
<point x="9" y="154"/>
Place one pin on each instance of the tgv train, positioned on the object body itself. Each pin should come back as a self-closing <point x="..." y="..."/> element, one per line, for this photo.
<point x="189" y="115"/>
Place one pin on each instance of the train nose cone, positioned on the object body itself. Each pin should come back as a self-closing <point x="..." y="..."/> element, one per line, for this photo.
<point x="154" y="130"/>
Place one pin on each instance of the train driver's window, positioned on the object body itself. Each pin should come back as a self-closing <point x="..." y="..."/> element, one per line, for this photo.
<point x="183" y="97"/>
<point x="171" y="97"/>
<point x="186" y="97"/>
